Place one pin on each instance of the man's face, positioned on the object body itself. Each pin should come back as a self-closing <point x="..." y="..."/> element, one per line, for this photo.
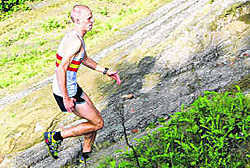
<point x="86" y="20"/>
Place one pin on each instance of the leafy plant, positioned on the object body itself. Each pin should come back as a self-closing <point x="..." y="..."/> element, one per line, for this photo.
<point x="51" y="25"/>
<point x="211" y="1"/>
<point x="104" y="11"/>
<point x="7" y="7"/>
<point x="129" y="11"/>
<point x="23" y="34"/>
<point x="213" y="132"/>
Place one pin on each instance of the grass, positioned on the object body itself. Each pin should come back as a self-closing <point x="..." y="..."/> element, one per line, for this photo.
<point x="245" y="18"/>
<point x="234" y="10"/>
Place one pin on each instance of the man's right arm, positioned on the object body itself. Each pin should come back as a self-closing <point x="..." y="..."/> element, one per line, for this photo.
<point x="72" y="46"/>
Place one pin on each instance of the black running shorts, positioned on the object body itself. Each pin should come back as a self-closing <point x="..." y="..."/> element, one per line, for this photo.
<point x="78" y="98"/>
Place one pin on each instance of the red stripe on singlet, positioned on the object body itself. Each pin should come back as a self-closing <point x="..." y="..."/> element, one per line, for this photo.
<point x="58" y="57"/>
<point x="72" y="69"/>
<point x="72" y="62"/>
<point x="75" y="62"/>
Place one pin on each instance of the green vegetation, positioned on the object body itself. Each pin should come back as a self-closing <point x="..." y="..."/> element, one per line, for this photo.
<point x="245" y="18"/>
<point x="211" y="1"/>
<point x="243" y="83"/>
<point x="233" y="9"/>
<point x="7" y="7"/>
<point x="51" y="25"/>
<point x="213" y="132"/>
<point x="104" y="11"/>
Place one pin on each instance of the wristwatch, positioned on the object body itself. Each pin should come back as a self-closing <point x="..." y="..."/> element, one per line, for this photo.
<point x="105" y="71"/>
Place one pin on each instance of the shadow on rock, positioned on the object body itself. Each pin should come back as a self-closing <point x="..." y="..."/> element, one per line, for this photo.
<point x="132" y="76"/>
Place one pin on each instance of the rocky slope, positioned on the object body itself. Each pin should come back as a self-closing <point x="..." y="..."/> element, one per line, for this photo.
<point x="179" y="51"/>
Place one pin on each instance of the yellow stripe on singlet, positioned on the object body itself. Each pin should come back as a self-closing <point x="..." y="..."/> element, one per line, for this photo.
<point x="58" y="61"/>
<point x="74" y="66"/>
<point x="71" y="65"/>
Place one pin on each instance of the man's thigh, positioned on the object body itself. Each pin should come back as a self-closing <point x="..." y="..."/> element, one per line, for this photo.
<point x="87" y="110"/>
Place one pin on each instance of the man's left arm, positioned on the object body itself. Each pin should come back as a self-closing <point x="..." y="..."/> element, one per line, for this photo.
<point x="90" y="63"/>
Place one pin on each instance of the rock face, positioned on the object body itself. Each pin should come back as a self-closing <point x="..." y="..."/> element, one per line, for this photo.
<point x="185" y="78"/>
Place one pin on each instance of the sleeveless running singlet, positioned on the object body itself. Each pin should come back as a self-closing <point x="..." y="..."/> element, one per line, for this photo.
<point x="71" y="72"/>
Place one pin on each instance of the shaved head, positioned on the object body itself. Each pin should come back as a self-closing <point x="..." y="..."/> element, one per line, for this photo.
<point x="77" y="11"/>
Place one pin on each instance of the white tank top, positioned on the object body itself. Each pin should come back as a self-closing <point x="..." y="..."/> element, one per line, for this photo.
<point x="71" y="73"/>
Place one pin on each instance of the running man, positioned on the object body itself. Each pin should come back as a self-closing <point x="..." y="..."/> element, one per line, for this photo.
<point x="68" y="94"/>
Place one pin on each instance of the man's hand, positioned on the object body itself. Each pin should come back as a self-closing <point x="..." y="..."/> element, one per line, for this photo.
<point x="69" y="104"/>
<point x="115" y="76"/>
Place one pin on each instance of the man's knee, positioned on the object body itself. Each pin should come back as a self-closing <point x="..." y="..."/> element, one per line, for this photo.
<point x="99" y="124"/>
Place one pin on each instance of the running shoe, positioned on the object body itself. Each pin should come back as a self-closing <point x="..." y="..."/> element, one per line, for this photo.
<point x="52" y="143"/>
<point x="84" y="157"/>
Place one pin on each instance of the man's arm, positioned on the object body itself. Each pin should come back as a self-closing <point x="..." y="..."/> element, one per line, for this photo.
<point x="90" y="63"/>
<point x="71" y="48"/>
<point x="93" y="65"/>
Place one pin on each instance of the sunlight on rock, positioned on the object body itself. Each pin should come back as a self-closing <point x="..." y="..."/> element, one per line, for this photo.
<point x="38" y="128"/>
<point x="150" y="81"/>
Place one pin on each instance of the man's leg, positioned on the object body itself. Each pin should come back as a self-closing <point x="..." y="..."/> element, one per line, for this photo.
<point x="88" y="129"/>
<point x="89" y="140"/>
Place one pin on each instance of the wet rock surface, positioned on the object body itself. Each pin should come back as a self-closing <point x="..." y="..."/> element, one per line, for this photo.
<point x="207" y="69"/>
